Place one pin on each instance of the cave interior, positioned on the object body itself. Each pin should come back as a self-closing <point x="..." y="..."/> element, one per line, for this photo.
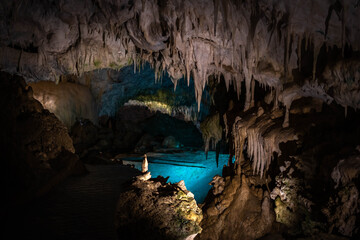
<point x="180" y="119"/>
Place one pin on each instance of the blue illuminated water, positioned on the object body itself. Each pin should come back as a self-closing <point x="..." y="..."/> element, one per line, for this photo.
<point x="192" y="167"/>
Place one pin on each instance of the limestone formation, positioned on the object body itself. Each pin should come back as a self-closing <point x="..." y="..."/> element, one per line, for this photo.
<point x="39" y="151"/>
<point x="153" y="209"/>
<point x="263" y="138"/>
<point x="218" y="184"/>
<point x="68" y="101"/>
<point x="276" y="60"/>
<point x="211" y="131"/>
<point x="248" y="41"/>
<point x="237" y="213"/>
<point x="144" y="165"/>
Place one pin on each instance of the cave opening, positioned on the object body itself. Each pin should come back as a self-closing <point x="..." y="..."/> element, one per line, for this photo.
<point x="117" y="116"/>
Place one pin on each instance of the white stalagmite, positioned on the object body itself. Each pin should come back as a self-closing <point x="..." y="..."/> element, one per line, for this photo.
<point x="145" y="165"/>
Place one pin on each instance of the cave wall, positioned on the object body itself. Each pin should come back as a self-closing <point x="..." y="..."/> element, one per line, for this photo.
<point x="102" y="92"/>
<point x="38" y="152"/>
<point x="295" y="49"/>
<point x="68" y="101"/>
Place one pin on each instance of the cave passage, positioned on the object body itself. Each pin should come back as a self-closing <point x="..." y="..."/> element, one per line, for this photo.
<point x="194" y="168"/>
<point x="257" y="98"/>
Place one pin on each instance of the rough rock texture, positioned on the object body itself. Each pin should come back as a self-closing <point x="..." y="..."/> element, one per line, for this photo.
<point x="308" y="174"/>
<point x="132" y="122"/>
<point x="289" y="94"/>
<point x="245" y="41"/>
<point x="293" y="48"/>
<point x="38" y="152"/>
<point x="68" y="101"/>
<point x="343" y="210"/>
<point x="346" y="170"/>
<point x="170" y="142"/>
<point x="153" y="209"/>
<point x="147" y="143"/>
<point x="211" y="131"/>
<point x="113" y="88"/>
<point x="239" y="212"/>
<point x="218" y="184"/>
<point x="314" y="181"/>
<point x="84" y="134"/>
<point x="263" y="136"/>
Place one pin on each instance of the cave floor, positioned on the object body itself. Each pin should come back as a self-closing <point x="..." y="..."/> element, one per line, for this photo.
<point x="83" y="207"/>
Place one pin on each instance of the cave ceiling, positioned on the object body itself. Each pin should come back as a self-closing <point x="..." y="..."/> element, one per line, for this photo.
<point x="264" y="41"/>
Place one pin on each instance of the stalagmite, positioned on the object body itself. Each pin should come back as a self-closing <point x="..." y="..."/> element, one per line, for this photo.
<point x="144" y="165"/>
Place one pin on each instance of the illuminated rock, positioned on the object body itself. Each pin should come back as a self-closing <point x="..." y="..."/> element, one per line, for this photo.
<point x="154" y="209"/>
<point x="68" y="101"/>
<point x="218" y="184"/>
<point x="262" y="41"/>
<point x="239" y="212"/>
<point x="144" y="165"/>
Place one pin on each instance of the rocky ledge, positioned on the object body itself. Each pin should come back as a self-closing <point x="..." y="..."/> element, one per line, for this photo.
<point x="154" y="209"/>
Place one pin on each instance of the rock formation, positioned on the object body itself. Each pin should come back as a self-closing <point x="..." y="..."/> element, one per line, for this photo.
<point x="263" y="41"/>
<point x="289" y="68"/>
<point x="144" y="165"/>
<point x="239" y="212"/>
<point x="39" y="151"/>
<point x="153" y="209"/>
<point x="68" y="101"/>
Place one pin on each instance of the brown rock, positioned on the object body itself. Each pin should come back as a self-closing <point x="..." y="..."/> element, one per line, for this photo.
<point x="237" y="213"/>
<point x="39" y="151"/>
<point x="153" y="209"/>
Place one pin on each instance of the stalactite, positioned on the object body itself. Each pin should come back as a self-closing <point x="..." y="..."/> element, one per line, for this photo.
<point x="306" y="40"/>
<point x="237" y="83"/>
<point x="181" y="39"/>
<point x="248" y="91"/>
<point x="343" y="28"/>
<point x="252" y="93"/>
<point x="299" y="51"/>
<point x="216" y="10"/>
<point x="315" y="57"/>
<point x="189" y="55"/>
<point x="287" y="52"/>
<point x="263" y="139"/>
<point x="211" y="131"/>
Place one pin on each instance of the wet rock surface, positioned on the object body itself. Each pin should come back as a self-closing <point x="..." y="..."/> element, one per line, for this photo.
<point x="154" y="209"/>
